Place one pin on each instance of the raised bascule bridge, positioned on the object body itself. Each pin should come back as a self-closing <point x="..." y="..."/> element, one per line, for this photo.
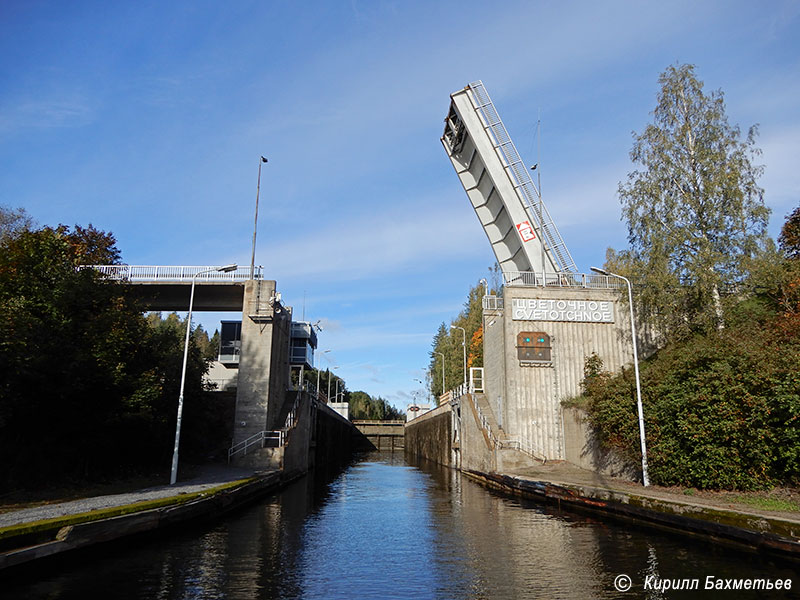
<point x="549" y="319"/>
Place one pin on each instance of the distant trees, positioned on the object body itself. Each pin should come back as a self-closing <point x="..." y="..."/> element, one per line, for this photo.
<point x="448" y="342"/>
<point x="88" y="385"/>
<point x="327" y="381"/>
<point x="364" y="407"/>
<point x="695" y="212"/>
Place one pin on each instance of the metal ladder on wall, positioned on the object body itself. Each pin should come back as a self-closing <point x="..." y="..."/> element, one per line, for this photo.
<point x="517" y="171"/>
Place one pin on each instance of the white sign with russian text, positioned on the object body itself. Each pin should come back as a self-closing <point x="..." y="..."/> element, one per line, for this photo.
<point x="578" y="311"/>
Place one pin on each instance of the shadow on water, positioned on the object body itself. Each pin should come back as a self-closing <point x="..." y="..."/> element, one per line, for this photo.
<point x="385" y="528"/>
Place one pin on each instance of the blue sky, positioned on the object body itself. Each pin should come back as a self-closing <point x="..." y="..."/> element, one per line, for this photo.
<point x="148" y="118"/>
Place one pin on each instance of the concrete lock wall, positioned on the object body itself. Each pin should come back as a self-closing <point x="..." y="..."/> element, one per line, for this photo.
<point x="526" y="395"/>
<point x="433" y="438"/>
<point x="430" y="436"/>
<point x="320" y="438"/>
<point x="333" y="440"/>
<point x="296" y="451"/>
<point x="583" y="450"/>
<point x="477" y="448"/>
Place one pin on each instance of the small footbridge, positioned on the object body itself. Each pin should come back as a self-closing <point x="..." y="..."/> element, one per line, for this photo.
<point x="381" y="435"/>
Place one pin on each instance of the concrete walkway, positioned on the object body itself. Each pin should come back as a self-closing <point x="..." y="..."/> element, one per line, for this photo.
<point x="568" y="474"/>
<point x="209" y="476"/>
<point x="32" y="534"/>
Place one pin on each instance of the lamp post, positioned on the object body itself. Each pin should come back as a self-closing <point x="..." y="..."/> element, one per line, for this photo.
<point x="321" y="353"/>
<point x="645" y="477"/>
<point x="329" y="384"/>
<point x="464" y="350"/>
<point x="485" y="285"/>
<point x="422" y="383"/>
<point x="414" y="405"/>
<point x="261" y="161"/>
<point x="442" y="355"/>
<point x="226" y="269"/>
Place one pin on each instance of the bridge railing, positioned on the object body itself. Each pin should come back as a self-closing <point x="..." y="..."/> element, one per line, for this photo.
<point x="158" y="273"/>
<point x="567" y="280"/>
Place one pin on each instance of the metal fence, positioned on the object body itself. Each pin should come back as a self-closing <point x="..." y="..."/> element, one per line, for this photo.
<point x="273" y="439"/>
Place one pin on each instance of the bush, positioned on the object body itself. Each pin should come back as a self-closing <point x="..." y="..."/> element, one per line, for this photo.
<point x="721" y="410"/>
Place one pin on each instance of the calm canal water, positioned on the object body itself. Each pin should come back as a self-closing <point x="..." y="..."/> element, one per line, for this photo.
<point x="386" y="529"/>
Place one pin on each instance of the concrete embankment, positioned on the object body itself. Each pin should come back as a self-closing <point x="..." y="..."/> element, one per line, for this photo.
<point x="31" y="540"/>
<point x="776" y="535"/>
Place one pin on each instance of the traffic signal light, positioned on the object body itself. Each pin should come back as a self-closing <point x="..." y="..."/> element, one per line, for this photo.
<point x="533" y="346"/>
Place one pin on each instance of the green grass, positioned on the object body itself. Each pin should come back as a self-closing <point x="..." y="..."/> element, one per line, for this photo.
<point x="768" y="503"/>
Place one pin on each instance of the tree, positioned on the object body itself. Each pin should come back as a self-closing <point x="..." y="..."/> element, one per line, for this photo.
<point x="722" y="407"/>
<point x="87" y="387"/>
<point x="92" y="246"/>
<point x="788" y="278"/>
<point x="448" y="341"/>
<point x="694" y="212"/>
<point x="789" y="238"/>
<point x="13" y="221"/>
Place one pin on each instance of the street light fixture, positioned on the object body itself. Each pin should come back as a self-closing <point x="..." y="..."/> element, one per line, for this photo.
<point x="226" y="269"/>
<point x="464" y="350"/>
<point x="645" y="477"/>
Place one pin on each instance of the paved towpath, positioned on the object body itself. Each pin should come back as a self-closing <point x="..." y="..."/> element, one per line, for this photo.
<point x="209" y="476"/>
<point x="565" y="473"/>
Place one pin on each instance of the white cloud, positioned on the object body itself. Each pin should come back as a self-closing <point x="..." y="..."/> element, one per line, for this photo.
<point x="379" y="242"/>
<point x="781" y="176"/>
<point x="68" y="110"/>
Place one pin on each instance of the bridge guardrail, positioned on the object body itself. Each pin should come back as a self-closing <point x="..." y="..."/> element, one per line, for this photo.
<point x="157" y="273"/>
<point x="567" y="280"/>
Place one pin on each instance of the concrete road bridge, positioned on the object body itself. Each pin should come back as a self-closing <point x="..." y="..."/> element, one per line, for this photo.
<point x="164" y="287"/>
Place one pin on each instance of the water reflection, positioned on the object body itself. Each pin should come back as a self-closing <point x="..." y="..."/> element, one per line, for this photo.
<point x="387" y="529"/>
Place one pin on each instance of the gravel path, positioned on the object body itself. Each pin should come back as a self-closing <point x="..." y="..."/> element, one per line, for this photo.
<point x="211" y="476"/>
